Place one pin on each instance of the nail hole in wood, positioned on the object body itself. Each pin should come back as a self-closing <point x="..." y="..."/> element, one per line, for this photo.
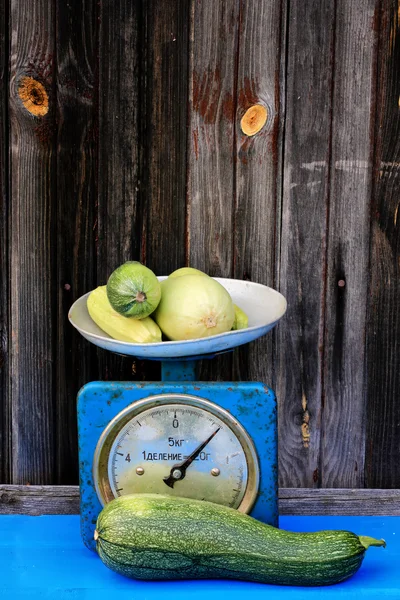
<point x="34" y="96"/>
<point x="254" y="119"/>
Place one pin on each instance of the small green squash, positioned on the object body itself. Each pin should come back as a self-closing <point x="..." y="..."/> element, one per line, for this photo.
<point x="133" y="290"/>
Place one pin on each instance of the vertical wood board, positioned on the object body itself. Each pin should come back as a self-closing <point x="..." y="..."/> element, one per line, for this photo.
<point x="211" y="136"/>
<point x="211" y="147"/>
<point x="77" y="136"/>
<point x="163" y="98"/>
<point x="257" y="167"/>
<point x="4" y="247"/>
<point x="344" y="410"/>
<point x="117" y="227"/>
<point x="32" y="243"/>
<point x="383" y="333"/>
<point x="164" y="135"/>
<point x="303" y="239"/>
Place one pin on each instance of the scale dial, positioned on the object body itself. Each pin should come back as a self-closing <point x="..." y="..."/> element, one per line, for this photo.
<point x="180" y="445"/>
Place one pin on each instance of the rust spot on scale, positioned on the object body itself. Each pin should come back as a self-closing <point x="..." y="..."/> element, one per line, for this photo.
<point x="34" y="96"/>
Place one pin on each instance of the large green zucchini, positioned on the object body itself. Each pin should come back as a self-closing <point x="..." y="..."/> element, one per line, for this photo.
<point x="148" y="536"/>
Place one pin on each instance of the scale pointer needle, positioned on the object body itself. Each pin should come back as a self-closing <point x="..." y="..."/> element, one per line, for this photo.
<point x="178" y="471"/>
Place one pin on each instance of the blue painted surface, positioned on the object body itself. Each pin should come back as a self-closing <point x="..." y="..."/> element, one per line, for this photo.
<point x="179" y="370"/>
<point x="252" y="404"/>
<point x="44" y="557"/>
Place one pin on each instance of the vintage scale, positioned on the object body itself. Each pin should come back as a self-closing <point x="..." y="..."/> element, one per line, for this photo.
<point x="213" y="441"/>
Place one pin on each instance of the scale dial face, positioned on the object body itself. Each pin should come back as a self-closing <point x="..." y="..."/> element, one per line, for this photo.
<point x="180" y="445"/>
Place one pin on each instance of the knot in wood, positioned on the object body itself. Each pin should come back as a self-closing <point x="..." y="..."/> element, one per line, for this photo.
<point x="254" y="119"/>
<point x="34" y="96"/>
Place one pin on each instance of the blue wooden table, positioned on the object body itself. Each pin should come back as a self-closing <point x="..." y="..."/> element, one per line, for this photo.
<point x="44" y="557"/>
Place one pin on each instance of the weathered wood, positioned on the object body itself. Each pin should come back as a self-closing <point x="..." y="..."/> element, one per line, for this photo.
<point x="344" y="393"/>
<point x="32" y="240"/>
<point x="258" y="165"/>
<point x="39" y="500"/>
<point x="383" y="333"/>
<point x="163" y="98"/>
<point x="303" y="240"/>
<point x="113" y="106"/>
<point x="48" y="500"/>
<point x="164" y="134"/>
<point x="77" y="97"/>
<point x="117" y="228"/>
<point x="295" y="501"/>
<point x="211" y="147"/>
<point x="214" y="39"/>
<point x="4" y="248"/>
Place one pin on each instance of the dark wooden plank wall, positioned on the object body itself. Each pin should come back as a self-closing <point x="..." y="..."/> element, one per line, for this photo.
<point x="77" y="137"/>
<point x="125" y="142"/>
<point x="350" y="176"/>
<point x="4" y="380"/>
<point x="257" y="160"/>
<point x="117" y="224"/>
<point x="212" y="103"/>
<point x="164" y="139"/>
<point x="305" y="193"/>
<point x="383" y="341"/>
<point x="32" y="227"/>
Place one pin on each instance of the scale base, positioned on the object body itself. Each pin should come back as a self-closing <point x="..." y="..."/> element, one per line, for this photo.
<point x="252" y="404"/>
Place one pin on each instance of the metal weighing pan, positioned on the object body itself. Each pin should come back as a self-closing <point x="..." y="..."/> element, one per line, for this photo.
<point x="263" y="305"/>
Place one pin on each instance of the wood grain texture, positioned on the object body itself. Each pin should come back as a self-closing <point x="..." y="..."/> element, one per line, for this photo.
<point x="257" y="167"/>
<point x="298" y="501"/>
<point x="343" y="438"/>
<point x="164" y="134"/>
<point x="119" y="109"/>
<point x="32" y="245"/>
<point x="383" y="334"/>
<point x="77" y="98"/>
<point x="64" y="500"/>
<point x="163" y="98"/>
<point x="4" y="248"/>
<point x="211" y="148"/>
<point x="117" y="228"/>
<point x="39" y="500"/>
<point x="303" y="240"/>
<point x="213" y="87"/>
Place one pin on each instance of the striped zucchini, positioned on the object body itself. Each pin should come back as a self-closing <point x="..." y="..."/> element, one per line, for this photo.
<point x="149" y="536"/>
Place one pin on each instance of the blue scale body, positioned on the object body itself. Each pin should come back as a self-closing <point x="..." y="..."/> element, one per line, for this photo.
<point x="252" y="404"/>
